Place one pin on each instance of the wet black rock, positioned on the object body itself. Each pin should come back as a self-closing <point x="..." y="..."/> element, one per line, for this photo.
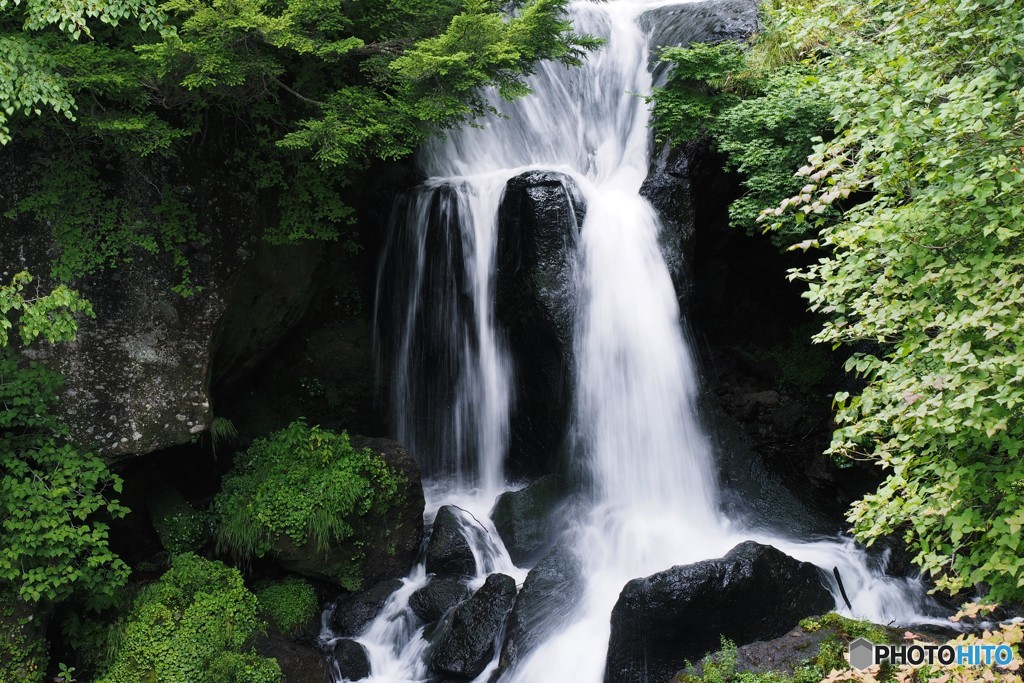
<point x="353" y="660"/>
<point x="547" y="599"/>
<point x="466" y="645"/>
<point x="353" y="613"/>
<point x="539" y="223"/>
<point x="754" y="593"/>
<point x="523" y="518"/>
<point x="669" y="189"/>
<point x="448" y="551"/>
<point x="433" y="601"/>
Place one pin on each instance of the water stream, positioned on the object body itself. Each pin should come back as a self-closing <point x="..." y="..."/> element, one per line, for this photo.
<point x="651" y="498"/>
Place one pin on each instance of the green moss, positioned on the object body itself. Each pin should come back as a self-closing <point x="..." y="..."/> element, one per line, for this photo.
<point x="194" y="625"/>
<point x="304" y="485"/>
<point x="22" y="646"/>
<point x="290" y="604"/>
<point x="180" y="526"/>
<point x="720" y="667"/>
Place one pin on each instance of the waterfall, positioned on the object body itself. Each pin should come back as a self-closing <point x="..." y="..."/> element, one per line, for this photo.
<point x="650" y="498"/>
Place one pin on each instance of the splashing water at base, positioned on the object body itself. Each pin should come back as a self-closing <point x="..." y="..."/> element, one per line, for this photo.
<point x="651" y="498"/>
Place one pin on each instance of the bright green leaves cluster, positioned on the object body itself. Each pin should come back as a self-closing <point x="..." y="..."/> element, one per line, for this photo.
<point x="926" y="276"/>
<point x="97" y="224"/>
<point x="762" y="115"/>
<point x="483" y="47"/>
<point x="50" y="316"/>
<point x="194" y="625"/>
<point x="29" y="82"/>
<point x="304" y="485"/>
<point x="52" y="496"/>
<point x="915" y="200"/>
<point x="291" y="604"/>
<point x="29" y="77"/>
<point x="287" y="103"/>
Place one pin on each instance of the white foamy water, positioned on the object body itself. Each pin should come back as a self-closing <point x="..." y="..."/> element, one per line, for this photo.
<point x="651" y="498"/>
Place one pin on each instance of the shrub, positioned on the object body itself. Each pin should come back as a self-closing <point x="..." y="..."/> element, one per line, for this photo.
<point x="54" y="497"/>
<point x="303" y="485"/>
<point x="22" y="645"/>
<point x="291" y="604"/>
<point x="194" y="625"/>
<point x="180" y="526"/>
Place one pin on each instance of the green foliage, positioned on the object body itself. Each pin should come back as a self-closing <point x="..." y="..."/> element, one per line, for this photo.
<point x="925" y="276"/>
<point x="302" y="485"/>
<point x="180" y="526"/>
<point x="53" y="497"/>
<point x="51" y="316"/>
<point x="289" y="102"/>
<point x="22" y="645"/>
<point x="761" y="108"/>
<point x="194" y="625"/>
<point x="721" y="666"/>
<point x="291" y="604"/>
<point x="29" y="77"/>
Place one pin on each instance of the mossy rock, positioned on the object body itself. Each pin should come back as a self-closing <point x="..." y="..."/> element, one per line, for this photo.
<point x="348" y="512"/>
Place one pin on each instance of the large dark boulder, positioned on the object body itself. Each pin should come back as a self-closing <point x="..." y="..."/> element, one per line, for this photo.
<point x="466" y="645"/>
<point x="352" y="658"/>
<point x="523" y="518"/>
<point x="753" y="593"/>
<point x="354" y="612"/>
<point x="433" y="601"/>
<point x="137" y="377"/>
<point x="547" y="599"/>
<point x="448" y="551"/>
<point x="386" y="544"/>
<point x="300" y="660"/>
<point x="539" y="223"/>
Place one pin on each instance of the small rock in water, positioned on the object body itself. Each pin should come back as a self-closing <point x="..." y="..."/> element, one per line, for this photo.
<point x="353" y="660"/>
<point x="448" y="551"/>
<point x="431" y="602"/>
<point x="467" y="643"/>
<point x="355" y="612"/>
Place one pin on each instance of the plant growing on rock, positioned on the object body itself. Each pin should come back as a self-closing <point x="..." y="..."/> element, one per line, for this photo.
<point x="194" y="625"/>
<point x="291" y="604"/>
<point x="304" y="486"/>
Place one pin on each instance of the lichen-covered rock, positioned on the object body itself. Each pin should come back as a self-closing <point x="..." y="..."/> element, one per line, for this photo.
<point x="753" y="593"/>
<point x="467" y="643"/>
<point x="137" y="376"/>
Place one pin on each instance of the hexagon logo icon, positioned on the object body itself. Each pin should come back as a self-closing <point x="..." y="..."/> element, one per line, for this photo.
<point x="861" y="653"/>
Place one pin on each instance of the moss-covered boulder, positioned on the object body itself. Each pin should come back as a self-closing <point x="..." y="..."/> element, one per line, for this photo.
<point x="325" y="507"/>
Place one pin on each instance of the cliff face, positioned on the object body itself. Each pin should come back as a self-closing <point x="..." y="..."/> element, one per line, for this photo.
<point x="137" y="377"/>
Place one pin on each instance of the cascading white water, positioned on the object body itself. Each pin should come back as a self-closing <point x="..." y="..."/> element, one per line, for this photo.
<point x="652" y="499"/>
